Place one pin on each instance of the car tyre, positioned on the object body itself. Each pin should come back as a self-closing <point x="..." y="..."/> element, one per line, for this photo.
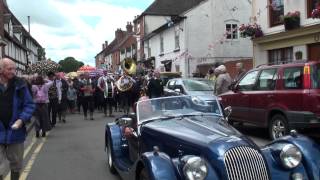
<point x="278" y="127"/>
<point x="144" y="175"/>
<point x="110" y="159"/>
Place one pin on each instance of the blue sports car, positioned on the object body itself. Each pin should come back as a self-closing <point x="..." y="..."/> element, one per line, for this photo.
<point x="184" y="137"/>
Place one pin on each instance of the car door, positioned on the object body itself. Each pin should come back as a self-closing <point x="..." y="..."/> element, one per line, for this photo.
<point x="239" y="98"/>
<point x="290" y="94"/>
<point x="169" y="89"/>
<point x="262" y="96"/>
<point x="179" y="86"/>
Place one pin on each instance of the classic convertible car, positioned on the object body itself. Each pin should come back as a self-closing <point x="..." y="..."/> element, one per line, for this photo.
<point x="183" y="137"/>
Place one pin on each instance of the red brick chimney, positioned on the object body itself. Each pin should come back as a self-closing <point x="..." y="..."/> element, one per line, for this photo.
<point x="129" y="27"/>
<point x="119" y="34"/>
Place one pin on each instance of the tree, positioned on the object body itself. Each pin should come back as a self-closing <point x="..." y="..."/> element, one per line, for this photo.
<point x="70" y="64"/>
<point x="41" y="54"/>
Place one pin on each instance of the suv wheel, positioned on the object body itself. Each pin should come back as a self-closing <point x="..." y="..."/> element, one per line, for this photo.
<point x="278" y="127"/>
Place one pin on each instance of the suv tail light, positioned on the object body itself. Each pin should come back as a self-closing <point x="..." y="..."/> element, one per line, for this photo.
<point x="306" y="77"/>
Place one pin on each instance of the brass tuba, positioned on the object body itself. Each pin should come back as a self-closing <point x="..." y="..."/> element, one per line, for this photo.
<point x="126" y="82"/>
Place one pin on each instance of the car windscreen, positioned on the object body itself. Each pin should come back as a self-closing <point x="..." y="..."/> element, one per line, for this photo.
<point x="196" y="85"/>
<point x="163" y="107"/>
<point x="315" y="76"/>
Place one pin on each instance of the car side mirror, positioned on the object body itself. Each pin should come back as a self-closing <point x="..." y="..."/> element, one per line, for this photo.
<point x="235" y="88"/>
<point x="124" y="121"/>
<point x="227" y="111"/>
<point x="177" y="90"/>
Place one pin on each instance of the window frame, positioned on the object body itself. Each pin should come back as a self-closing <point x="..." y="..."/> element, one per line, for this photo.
<point x="283" y="56"/>
<point x="250" y="86"/>
<point x="176" y="40"/>
<point x="272" y="22"/>
<point x="234" y="35"/>
<point x="161" y="44"/>
<point x="274" y="78"/>
<point x="310" y="7"/>
<point x="284" y="79"/>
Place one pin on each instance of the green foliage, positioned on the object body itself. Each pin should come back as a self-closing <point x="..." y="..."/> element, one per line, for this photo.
<point x="70" y="64"/>
<point x="41" y="54"/>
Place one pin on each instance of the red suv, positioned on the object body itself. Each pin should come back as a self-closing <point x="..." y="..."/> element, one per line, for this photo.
<point x="279" y="97"/>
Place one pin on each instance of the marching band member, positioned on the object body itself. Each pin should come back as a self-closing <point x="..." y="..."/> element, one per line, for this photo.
<point x="106" y="85"/>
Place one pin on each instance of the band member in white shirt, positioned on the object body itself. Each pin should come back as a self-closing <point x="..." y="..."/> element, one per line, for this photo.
<point x="106" y="85"/>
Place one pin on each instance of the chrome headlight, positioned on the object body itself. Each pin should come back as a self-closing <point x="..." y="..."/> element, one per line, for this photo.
<point x="290" y="156"/>
<point x="195" y="168"/>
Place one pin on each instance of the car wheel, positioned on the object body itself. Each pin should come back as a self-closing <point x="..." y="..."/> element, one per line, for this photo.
<point x="110" y="159"/>
<point x="144" y="175"/>
<point x="278" y="127"/>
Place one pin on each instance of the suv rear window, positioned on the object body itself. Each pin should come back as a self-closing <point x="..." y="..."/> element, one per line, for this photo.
<point x="293" y="78"/>
<point x="315" y="76"/>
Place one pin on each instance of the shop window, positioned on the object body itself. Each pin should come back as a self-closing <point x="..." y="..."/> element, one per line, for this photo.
<point x="280" y="56"/>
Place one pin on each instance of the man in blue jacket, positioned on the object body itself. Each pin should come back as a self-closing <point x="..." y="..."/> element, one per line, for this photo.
<point x="16" y="108"/>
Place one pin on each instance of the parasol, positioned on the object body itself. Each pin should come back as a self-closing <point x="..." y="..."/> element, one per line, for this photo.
<point x="43" y="67"/>
<point x="86" y="68"/>
<point x="72" y="75"/>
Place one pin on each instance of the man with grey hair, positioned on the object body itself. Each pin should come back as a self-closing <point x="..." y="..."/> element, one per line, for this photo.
<point x="223" y="80"/>
<point x="16" y="108"/>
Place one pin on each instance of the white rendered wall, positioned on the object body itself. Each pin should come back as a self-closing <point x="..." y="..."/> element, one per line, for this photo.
<point x="154" y="22"/>
<point x="169" y="50"/>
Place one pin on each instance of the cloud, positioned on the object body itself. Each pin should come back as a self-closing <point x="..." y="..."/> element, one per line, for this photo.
<point x="76" y="27"/>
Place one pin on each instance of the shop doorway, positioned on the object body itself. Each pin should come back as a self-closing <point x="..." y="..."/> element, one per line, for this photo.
<point x="314" y="52"/>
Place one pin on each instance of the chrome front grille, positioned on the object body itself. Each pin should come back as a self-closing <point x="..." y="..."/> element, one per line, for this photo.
<point x="245" y="163"/>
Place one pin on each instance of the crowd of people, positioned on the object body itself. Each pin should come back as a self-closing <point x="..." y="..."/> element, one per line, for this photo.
<point x="50" y="97"/>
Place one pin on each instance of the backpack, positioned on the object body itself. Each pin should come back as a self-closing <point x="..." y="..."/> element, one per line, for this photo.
<point x="53" y="92"/>
<point x="40" y="95"/>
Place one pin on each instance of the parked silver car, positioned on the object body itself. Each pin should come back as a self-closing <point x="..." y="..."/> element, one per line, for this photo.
<point x="197" y="87"/>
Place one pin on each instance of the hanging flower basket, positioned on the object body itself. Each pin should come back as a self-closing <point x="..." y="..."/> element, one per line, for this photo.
<point x="292" y="20"/>
<point x="250" y="30"/>
<point x="316" y="13"/>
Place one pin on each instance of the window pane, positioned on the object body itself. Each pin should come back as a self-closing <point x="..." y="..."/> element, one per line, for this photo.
<point x="315" y="76"/>
<point x="267" y="79"/>
<point x="293" y="78"/>
<point x="192" y="85"/>
<point x="248" y="81"/>
<point x="276" y="12"/>
<point x="312" y="4"/>
<point x="228" y="31"/>
<point x="281" y="56"/>
<point x="234" y="31"/>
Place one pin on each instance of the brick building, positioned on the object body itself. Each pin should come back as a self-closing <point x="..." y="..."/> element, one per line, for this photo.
<point x="123" y="46"/>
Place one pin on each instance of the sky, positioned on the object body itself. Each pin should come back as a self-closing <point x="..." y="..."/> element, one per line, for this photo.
<point x="76" y="28"/>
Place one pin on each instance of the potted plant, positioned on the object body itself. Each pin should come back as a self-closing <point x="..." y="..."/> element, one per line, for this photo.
<point x="316" y="13"/>
<point x="292" y="20"/>
<point x="298" y="55"/>
<point x="250" y="30"/>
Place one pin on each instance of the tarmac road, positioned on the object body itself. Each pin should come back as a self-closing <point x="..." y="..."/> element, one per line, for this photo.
<point x="75" y="150"/>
